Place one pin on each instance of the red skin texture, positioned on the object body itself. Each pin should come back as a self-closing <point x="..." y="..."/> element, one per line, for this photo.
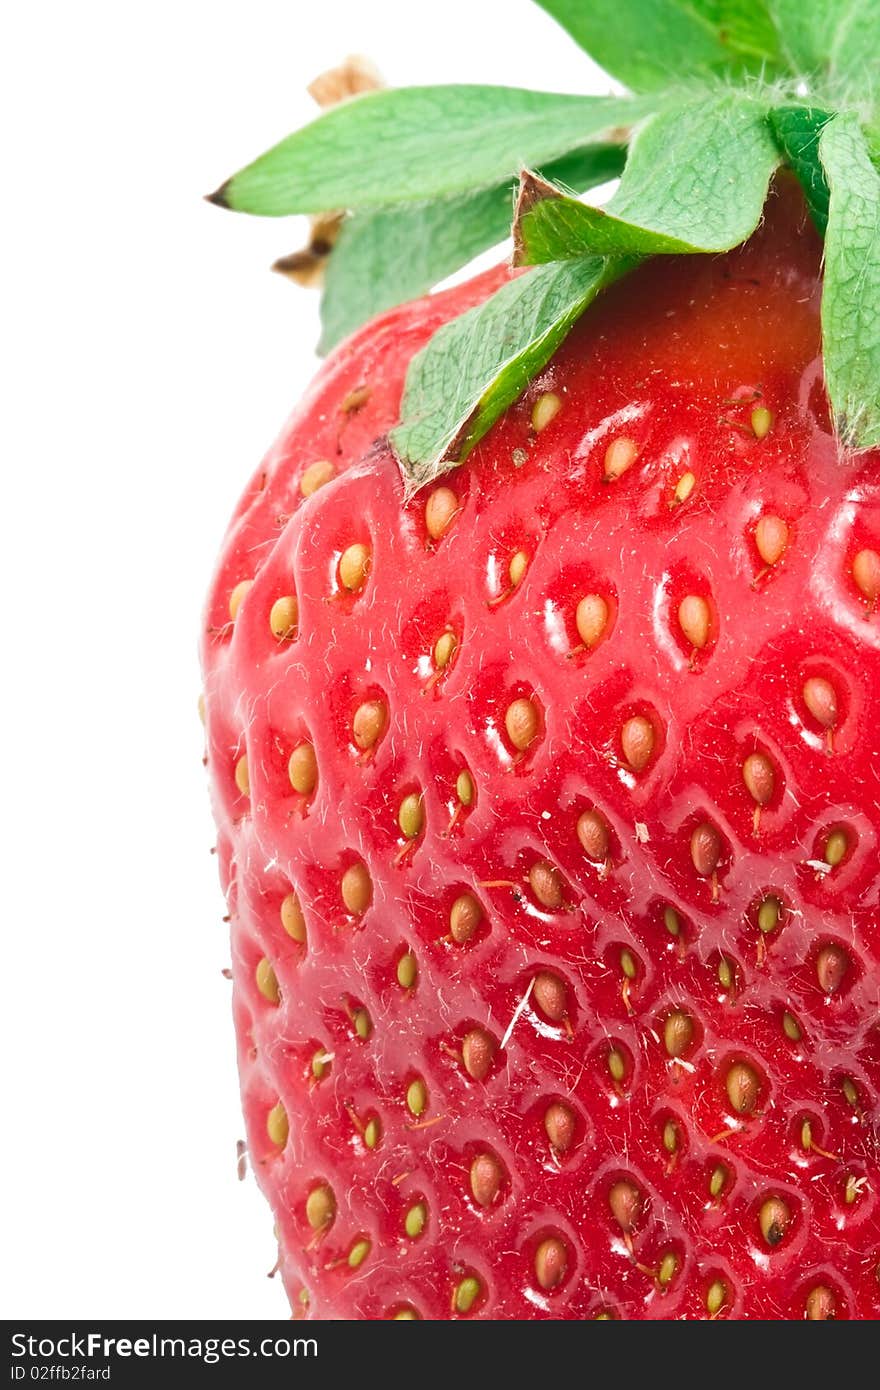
<point x="658" y="361"/>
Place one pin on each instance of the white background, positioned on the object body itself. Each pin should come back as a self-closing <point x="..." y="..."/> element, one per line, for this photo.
<point x="148" y="359"/>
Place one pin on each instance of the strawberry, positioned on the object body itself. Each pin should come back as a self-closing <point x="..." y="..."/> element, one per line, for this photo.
<point x="542" y="744"/>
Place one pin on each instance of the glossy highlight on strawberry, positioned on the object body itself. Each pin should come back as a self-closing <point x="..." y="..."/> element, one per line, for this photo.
<point x="547" y="811"/>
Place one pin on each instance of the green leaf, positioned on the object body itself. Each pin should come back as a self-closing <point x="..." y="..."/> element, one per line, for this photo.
<point x="696" y="180"/>
<point x="653" y="43"/>
<point x="475" y="366"/>
<point x="851" y="294"/>
<point x="838" y="39"/>
<point x="413" y="144"/>
<point x="384" y="257"/>
<point x="797" y="130"/>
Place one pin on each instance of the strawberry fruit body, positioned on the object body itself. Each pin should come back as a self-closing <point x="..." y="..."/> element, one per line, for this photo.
<point x="548" y="819"/>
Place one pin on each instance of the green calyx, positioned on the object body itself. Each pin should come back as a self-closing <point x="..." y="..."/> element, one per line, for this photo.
<point x="723" y="92"/>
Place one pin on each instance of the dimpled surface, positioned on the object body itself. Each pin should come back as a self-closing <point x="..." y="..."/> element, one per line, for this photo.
<point x="568" y="1150"/>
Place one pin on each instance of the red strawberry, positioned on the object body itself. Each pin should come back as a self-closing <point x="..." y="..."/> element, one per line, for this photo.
<point x="541" y="682"/>
<point x="548" y="809"/>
